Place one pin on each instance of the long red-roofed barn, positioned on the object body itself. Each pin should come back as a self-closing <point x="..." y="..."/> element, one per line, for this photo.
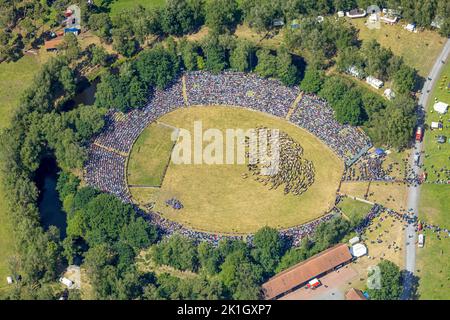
<point x="316" y="266"/>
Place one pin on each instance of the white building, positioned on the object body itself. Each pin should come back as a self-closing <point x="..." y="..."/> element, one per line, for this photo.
<point x="353" y="240"/>
<point x="341" y="14"/>
<point x="436" y="125"/>
<point x="9" y="280"/>
<point x="440" y="107"/>
<point x="389" y="94"/>
<point x="392" y="12"/>
<point x="411" y="27"/>
<point x="356" y="13"/>
<point x="389" y="19"/>
<point x="358" y="250"/>
<point x="374" y="82"/>
<point x="67" y="282"/>
<point x="354" y="71"/>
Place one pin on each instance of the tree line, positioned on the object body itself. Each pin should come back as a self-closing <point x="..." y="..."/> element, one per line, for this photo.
<point x="389" y="123"/>
<point x="157" y="67"/>
<point x="43" y="126"/>
<point x="22" y="23"/>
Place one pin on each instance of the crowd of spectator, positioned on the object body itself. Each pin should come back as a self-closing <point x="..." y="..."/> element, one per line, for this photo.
<point x="174" y="203"/>
<point x="316" y="116"/>
<point x="121" y="130"/>
<point x="105" y="171"/>
<point x="296" y="234"/>
<point x="367" y="220"/>
<point x="240" y="89"/>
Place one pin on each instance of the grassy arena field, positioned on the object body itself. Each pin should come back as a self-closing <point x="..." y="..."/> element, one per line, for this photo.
<point x="150" y="154"/>
<point x="217" y="198"/>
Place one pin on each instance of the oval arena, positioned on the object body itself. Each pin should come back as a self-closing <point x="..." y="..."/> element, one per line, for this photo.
<point x="109" y="153"/>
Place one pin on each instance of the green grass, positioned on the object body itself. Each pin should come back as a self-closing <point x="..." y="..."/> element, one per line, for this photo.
<point x="433" y="268"/>
<point x="217" y="198"/>
<point x="120" y="5"/>
<point x="433" y="261"/>
<point x="150" y="156"/>
<point x="6" y="240"/>
<point x="419" y="50"/>
<point x="435" y="204"/>
<point x="392" y="195"/>
<point x="354" y="209"/>
<point x="438" y="154"/>
<point x="14" y="78"/>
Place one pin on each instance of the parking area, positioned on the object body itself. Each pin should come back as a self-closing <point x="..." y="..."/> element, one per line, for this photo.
<point x="333" y="287"/>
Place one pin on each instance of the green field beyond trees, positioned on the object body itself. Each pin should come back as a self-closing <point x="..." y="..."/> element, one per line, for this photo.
<point x="437" y="155"/>
<point x="14" y="78"/>
<point x="119" y="5"/>
<point x="217" y="198"/>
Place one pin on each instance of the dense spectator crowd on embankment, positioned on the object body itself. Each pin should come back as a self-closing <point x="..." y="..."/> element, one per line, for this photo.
<point x="240" y="89"/>
<point x="316" y="116"/>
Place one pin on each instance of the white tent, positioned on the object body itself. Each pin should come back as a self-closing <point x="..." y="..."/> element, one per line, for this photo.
<point x="389" y="94"/>
<point x="440" y="107"/>
<point x="374" y="82"/>
<point x="354" y="240"/>
<point x="411" y="27"/>
<point x="436" y="125"/>
<point x="354" y="71"/>
<point x="67" y="282"/>
<point x="358" y="250"/>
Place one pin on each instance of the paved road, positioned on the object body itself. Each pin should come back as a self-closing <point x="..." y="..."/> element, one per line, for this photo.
<point x="414" y="191"/>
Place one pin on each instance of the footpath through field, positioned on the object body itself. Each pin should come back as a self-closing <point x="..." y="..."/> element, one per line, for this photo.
<point x="294" y="106"/>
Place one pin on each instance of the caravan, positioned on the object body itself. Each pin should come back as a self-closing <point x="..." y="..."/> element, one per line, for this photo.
<point x="421" y="241"/>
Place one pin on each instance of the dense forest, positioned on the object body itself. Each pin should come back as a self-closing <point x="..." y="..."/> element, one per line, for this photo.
<point x="24" y="24"/>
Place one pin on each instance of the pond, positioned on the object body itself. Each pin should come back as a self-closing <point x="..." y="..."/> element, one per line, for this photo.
<point x="50" y="207"/>
<point x="87" y="95"/>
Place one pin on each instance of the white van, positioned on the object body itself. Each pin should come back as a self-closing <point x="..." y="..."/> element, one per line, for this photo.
<point x="67" y="282"/>
<point x="417" y="158"/>
<point x="421" y="240"/>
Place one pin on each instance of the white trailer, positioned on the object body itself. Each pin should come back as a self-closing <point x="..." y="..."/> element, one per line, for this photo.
<point x="421" y="241"/>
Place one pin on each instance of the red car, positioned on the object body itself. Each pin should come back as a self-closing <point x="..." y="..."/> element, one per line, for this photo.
<point x="314" y="283"/>
<point x="419" y="134"/>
